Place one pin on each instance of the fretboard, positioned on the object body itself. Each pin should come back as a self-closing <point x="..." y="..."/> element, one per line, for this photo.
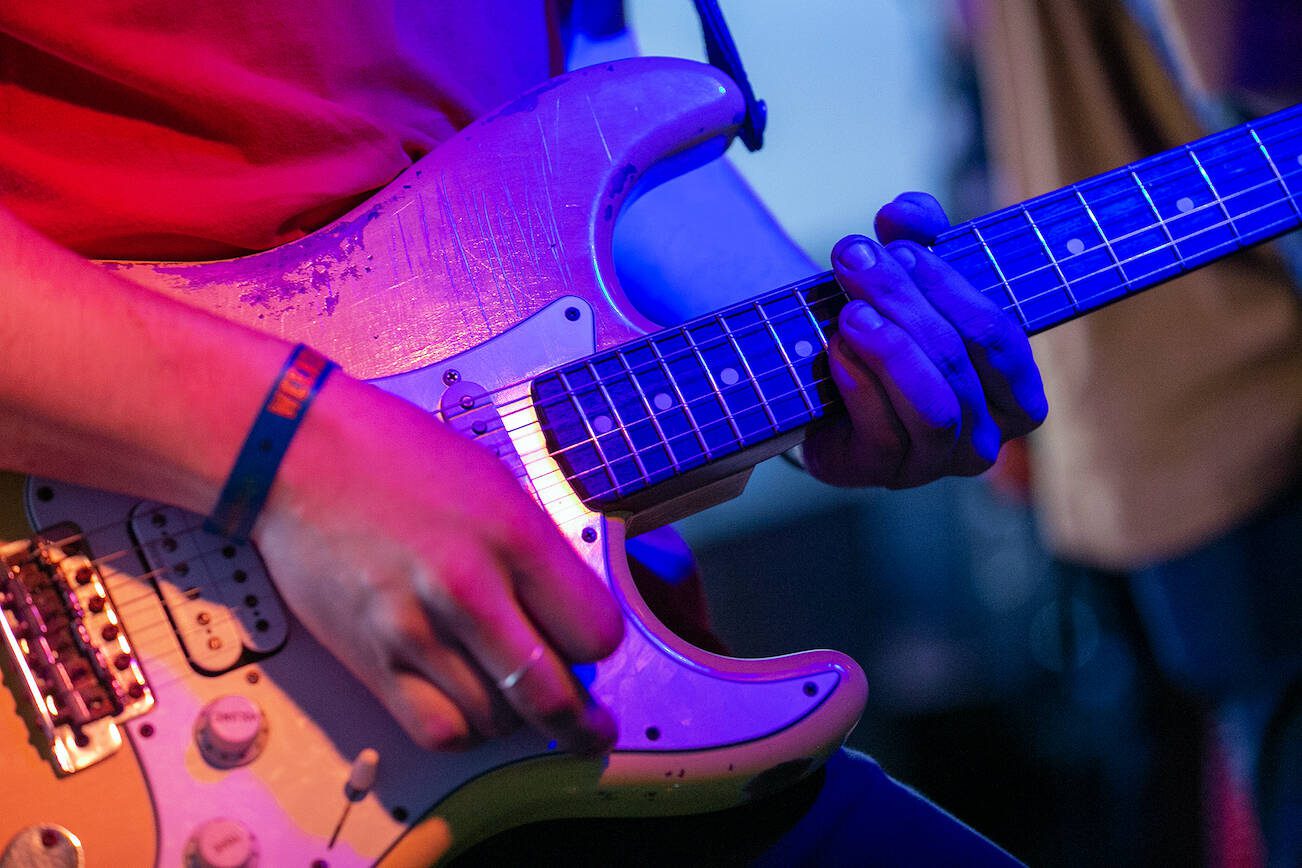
<point x="629" y="418"/>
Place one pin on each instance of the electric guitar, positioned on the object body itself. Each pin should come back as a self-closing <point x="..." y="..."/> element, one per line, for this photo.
<point x="163" y="706"/>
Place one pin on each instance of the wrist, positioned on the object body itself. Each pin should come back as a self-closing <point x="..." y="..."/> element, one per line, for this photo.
<point x="257" y="464"/>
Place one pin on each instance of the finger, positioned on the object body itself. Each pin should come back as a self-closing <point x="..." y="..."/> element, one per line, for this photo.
<point x="567" y="601"/>
<point x="868" y="272"/>
<point x="997" y="345"/>
<point x="476" y="601"/>
<point x="870" y="346"/>
<point x="870" y="445"/>
<point x="424" y="712"/>
<point x="911" y="217"/>
<point x="415" y="647"/>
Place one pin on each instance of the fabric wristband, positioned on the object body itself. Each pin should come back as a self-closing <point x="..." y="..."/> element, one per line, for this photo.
<point x="255" y="467"/>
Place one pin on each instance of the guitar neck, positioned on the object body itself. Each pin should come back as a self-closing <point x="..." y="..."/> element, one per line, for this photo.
<point x="625" y="420"/>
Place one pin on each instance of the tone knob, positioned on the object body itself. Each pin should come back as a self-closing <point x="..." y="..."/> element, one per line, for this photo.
<point x="231" y="731"/>
<point x="221" y="843"/>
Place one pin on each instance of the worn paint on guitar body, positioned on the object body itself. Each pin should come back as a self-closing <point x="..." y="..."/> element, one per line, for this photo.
<point x="452" y="266"/>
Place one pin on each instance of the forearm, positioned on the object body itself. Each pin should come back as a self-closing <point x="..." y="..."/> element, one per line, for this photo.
<point x="111" y="385"/>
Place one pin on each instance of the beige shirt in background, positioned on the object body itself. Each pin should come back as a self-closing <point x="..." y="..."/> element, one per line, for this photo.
<point x="1173" y="415"/>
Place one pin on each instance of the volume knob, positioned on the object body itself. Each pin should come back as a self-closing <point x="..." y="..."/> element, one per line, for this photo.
<point x="221" y="843"/>
<point x="231" y="731"/>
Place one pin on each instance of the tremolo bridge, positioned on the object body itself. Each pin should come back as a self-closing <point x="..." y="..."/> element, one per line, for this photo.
<point x="67" y="649"/>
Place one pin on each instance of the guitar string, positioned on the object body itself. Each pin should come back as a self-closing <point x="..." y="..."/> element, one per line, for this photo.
<point x="1049" y="224"/>
<point x="715" y="397"/>
<point x="150" y="594"/>
<point x="712" y="398"/>
<point x="84" y="535"/>
<point x="140" y="634"/>
<point x="999" y="290"/>
<point x="140" y="631"/>
<point x="1172" y="158"/>
<point x="133" y="548"/>
<point x="114" y="582"/>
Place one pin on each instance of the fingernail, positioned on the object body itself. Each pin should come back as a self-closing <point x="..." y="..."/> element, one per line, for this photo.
<point x="904" y="256"/>
<point x="857" y="255"/>
<point x="863" y="316"/>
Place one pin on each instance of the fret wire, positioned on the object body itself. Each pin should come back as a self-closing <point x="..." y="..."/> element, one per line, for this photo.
<point x="821" y="326"/>
<point x="1227" y="134"/>
<point x="709" y="375"/>
<point x="1215" y="193"/>
<point x="1106" y="244"/>
<point x="745" y="363"/>
<point x="682" y="400"/>
<point x="1053" y="260"/>
<point x="786" y="360"/>
<point x="606" y="465"/>
<point x="713" y="396"/>
<point x="619" y="423"/>
<point x="767" y="323"/>
<point x="724" y="419"/>
<point x="1116" y="260"/>
<point x="792" y="419"/>
<point x="1166" y="230"/>
<point x="809" y="314"/>
<point x="662" y="360"/>
<point x="650" y="411"/>
<point x="1275" y="169"/>
<point x="1159" y="270"/>
<point x="999" y="273"/>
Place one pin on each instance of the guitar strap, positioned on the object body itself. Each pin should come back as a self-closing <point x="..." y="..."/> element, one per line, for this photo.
<point x="722" y="53"/>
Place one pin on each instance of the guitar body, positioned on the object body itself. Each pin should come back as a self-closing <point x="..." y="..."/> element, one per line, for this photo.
<point x="486" y="264"/>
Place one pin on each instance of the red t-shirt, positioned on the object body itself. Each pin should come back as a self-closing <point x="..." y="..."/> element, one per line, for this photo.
<point x="152" y="129"/>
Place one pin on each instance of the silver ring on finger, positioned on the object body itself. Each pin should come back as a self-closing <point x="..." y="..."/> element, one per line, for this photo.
<point x="522" y="670"/>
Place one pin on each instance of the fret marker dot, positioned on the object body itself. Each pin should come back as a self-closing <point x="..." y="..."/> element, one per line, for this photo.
<point x="602" y="424"/>
<point x="1299" y="159"/>
<point x="663" y="401"/>
<point x="804" y="349"/>
<point x="1185" y="205"/>
<point x="1075" y="246"/>
<point x="729" y="376"/>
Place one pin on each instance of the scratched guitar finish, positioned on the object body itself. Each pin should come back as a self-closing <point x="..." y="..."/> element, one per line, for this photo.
<point x="479" y="285"/>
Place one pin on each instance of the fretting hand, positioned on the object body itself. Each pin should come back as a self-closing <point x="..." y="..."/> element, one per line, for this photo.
<point x="934" y="375"/>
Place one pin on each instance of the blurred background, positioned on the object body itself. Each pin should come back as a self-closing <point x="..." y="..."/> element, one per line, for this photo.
<point x="999" y="688"/>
